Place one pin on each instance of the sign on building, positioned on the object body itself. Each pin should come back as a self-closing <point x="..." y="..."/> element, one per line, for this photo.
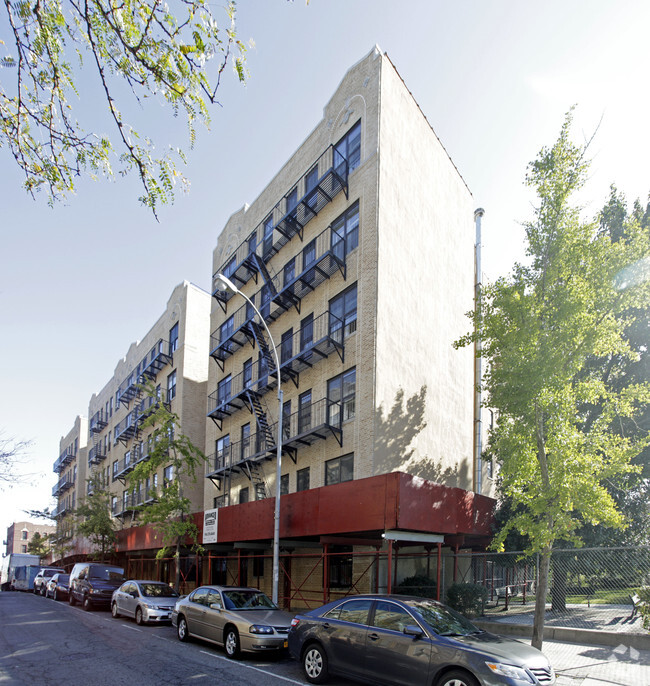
<point x="210" y="526"/>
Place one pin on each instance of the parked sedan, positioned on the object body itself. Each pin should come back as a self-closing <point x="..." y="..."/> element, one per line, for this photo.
<point x="240" y="619"/>
<point x="392" y="639"/>
<point x="58" y="587"/>
<point x="145" y="601"/>
<point x="42" y="578"/>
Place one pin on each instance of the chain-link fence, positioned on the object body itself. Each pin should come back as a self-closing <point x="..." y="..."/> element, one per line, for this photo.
<point x="588" y="587"/>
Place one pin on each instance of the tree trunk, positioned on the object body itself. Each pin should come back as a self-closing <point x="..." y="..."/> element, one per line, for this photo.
<point x="177" y="581"/>
<point x="558" y="590"/>
<point x="540" y="599"/>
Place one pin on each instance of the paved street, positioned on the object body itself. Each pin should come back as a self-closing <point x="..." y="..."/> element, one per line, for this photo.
<point x="47" y="643"/>
<point x="43" y="643"/>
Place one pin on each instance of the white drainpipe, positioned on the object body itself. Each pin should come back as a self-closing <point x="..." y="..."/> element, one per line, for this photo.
<point x="478" y="424"/>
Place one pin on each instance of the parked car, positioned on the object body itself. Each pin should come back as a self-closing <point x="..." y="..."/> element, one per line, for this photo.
<point x="43" y="576"/>
<point x="92" y="584"/>
<point x="57" y="587"/>
<point x="146" y="601"/>
<point x="393" y="639"/>
<point x="240" y="619"/>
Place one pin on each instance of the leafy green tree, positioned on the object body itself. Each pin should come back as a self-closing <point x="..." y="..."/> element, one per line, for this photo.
<point x="94" y="520"/>
<point x="172" y="54"/>
<point x="540" y="326"/>
<point x="169" y="449"/>
<point x="39" y="545"/>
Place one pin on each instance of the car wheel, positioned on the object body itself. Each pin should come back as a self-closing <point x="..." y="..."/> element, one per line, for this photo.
<point x="114" y="611"/>
<point x="232" y="645"/>
<point x="314" y="662"/>
<point x="71" y="599"/>
<point x="138" y="617"/>
<point x="458" y="678"/>
<point x="182" y="629"/>
<point x="87" y="605"/>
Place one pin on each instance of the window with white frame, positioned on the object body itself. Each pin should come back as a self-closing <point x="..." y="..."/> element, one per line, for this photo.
<point x="341" y="391"/>
<point x="348" y="149"/>
<point x="173" y="339"/>
<point x="171" y="386"/>
<point x="345" y="232"/>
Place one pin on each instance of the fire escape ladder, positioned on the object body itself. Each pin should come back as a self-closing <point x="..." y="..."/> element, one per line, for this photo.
<point x="255" y="472"/>
<point x="261" y="418"/>
<point x="268" y="279"/>
<point x="260" y="339"/>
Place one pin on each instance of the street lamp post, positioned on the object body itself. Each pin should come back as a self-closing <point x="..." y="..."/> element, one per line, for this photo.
<point x="222" y="283"/>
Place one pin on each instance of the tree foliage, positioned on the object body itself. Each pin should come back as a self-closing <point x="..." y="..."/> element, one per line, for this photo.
<point x="174" y="53"/>
<point x="168" y="449"/>
<point x="541" y="326"/>
<point x="94" y="519"/>
<point x="39" y="545"/>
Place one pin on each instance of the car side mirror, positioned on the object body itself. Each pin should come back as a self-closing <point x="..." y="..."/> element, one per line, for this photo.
<point x="134" y="594"/>
<point x="413" y="630"/>
<point x="215" y="606"/>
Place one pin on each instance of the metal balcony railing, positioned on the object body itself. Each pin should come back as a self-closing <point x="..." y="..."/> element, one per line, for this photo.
<point x="127" y="428"/>
<point x="62" y="485"/>
<point x="98" y="422"/>
<point x="325" y="179"/>
<point x="147" y="369"/>
<point x="314" y="342"/>
<point x="312" y="422"/>
<point x="64" y="459"/>
<point x="96" y="454"/>
<point x="126" y="464"/>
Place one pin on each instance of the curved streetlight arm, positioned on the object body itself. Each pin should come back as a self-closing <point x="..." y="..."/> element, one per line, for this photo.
<point x="223" y="283"/>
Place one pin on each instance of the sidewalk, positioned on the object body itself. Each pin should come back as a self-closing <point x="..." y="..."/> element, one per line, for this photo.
<point x="578" y="664"/>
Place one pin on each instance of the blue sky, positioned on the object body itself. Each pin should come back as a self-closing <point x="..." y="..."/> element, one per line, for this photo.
<point x="80" y="282"/>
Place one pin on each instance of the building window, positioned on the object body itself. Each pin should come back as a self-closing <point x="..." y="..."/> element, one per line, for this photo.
<point x="171" y="386"/>
<point x="173" y="339"/>
<point x="258" y="566"/>
<point x="339" y="469"/>
<point x="311" y="181"/>
<point x="223" y="390"/>
<point x="265" y="301"/>
<point x="286" y="420"/>
<point x="284" y="484"/>
<point x="245" y="442"/>
<point x="304" y="412"/>
<point x="125" y="501"/>
<point x="345" y="232"/>
<point x="220" y="500"/>
<point x="343" y="313"/>
<point x="222" y="448"/>
<point x="286" y="346"/>
<point x="260" y="491"/>
<point x="226" y="329"/>
<point x="309" y="255"/>
<point x="230" y="267"/>
<point x="306" y="334"/>
<point x="340" y="566"/>
<point x="24" y="535"/>
<point x="268" y="235"/>
<point x="168" y="475"/>
<point x="348" y="148"/>
<point x="248" y="372"/>
<point x="292" y="200"/>
<point x="116" y="466"/>
<point x="289" y="271"/>
<point x="252" y="243"/>
<point x="341" y="392"/>
<point x="302" y="479"/>
<point x="243" y="495"/>
<point x="23" y="548"/>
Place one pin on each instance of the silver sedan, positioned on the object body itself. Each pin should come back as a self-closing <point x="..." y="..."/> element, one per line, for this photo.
<point x="145" y="601"/>
<point x="238" y="618"/>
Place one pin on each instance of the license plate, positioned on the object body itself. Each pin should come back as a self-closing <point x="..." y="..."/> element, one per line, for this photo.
<point x="285" y="644"/>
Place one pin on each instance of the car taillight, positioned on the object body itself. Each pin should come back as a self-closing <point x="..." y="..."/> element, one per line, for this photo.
<point x="295" y="621"/>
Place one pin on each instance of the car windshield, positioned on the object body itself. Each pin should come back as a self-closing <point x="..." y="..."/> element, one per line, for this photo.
<point x="247" y="600"/>
<point x="443" y="620"/>
<point x="107" y="574"/>
<point x="157" y="591"/>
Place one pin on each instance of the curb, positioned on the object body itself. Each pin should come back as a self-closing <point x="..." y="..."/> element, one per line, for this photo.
<point x="570" y="635"/>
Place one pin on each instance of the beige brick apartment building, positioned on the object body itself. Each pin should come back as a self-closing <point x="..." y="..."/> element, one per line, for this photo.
<point x="360" y="256"/>
<point x="173" y="356"/>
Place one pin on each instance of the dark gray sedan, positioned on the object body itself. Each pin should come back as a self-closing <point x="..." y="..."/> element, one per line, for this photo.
<point x="390" y="639"/>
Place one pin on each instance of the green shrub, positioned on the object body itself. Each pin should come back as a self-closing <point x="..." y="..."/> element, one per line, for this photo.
<point x="419" y="585"/>
<point x="644" y="606"/>
<point x="468" y="599"/>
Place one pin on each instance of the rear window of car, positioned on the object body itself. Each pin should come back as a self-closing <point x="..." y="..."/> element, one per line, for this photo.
<point x="353" y="611"/>
<point x="106" y="574"/>
<point x="158" y="591"/>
